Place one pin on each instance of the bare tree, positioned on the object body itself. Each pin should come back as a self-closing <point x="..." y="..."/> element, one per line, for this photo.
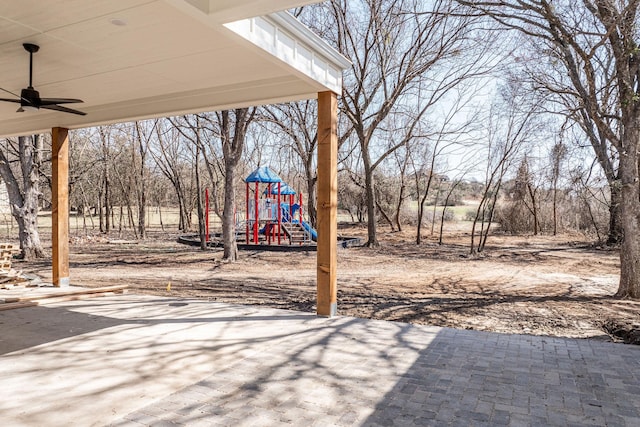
<point x="596" y="42"/>
<point x="84" y="174"/>
<point x="169" y="154"/>
<point x="193" y="128"/>
<point x="20" y="168"/>
<point x="449" y="136"/>
<point x="230" y="128"/>
<point x="451" y="188"/>
<point x="557" y="157"/>
<point x="233" y="133"/>
<point x="144" y="133"/>
<point x="104" y="195"/>
<point x="510" y="124"/>
<point x="525" y="195"/>
<point x="395" y="45"/>
<point x="402" y="159"/>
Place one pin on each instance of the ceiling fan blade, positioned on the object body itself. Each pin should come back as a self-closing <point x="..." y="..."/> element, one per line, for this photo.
<point x="10" y="100"/>
<point x="9" y="92"/>
<point x="63" y="109"/>
<point x="53" y="101"/>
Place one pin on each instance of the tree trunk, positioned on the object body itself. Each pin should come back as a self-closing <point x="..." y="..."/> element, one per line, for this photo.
<point x="481" y="214"/>
<point x="385" y="216"/>
<point x="107" y="201"/>
<point x="630" y="209"/>
<point x="181" y="225"/>
<point x="27" y="218"/>
<point x="555" y="206"/>
<point x="311" y="197"/>
<point x="615" y="235"/>
<point x="100" y="212"/>
<point x="444" y="208"/>
<point x="160" y="216"/>
<point x="142" y="189"/>
<point x="184" y="223"/>
<point x="435" y="207"/>
<point x="371" y="203"/>
<point x="492" y="210"/>
<point x="421" y="205"/>
<point x="534" y="208"/>
<point x="400" y="201"/>
<point x="132" y="222"/>
<point x="202" y="231"/>
<point x="232" y="148"/>
<point x="228" y="217"/>
<point x="142" y="206"/>
<point x="401" y="191"/>
<point x="480" y="211"/>
<point x="24" y="201"/>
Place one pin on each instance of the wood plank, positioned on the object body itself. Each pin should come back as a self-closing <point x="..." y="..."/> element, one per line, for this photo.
<point x="13" y="305"/>
<point x="327" y="204"/>
<point x="60" y="206"/>
<point x="86" y="291"/>
<point x="73" y="298"/>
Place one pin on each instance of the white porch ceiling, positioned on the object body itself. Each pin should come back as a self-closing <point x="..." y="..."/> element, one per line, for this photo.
<point x="171" y="57"/>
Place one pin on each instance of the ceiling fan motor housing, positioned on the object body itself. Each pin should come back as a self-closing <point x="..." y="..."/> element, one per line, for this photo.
<point x="30" y="98"/>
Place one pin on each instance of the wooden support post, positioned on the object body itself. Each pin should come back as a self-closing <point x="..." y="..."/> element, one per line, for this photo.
<point x="327" y="257"/>
<point x="60" y="205"/>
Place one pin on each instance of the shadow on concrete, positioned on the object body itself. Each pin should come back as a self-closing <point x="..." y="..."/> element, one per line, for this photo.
<point x="356" y="372"/>
<point x="187" y="362"/>
<point x="24" y="328"/>
<point x="334" y="370"/>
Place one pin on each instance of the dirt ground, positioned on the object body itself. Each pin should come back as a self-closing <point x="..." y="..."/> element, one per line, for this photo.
<point x="558" y="286"/>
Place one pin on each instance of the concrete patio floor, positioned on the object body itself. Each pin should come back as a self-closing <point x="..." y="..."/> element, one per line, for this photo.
<point x="138" y="360"/>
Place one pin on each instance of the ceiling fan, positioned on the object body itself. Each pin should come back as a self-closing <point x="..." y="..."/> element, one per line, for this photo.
<point x="29" y="98"/>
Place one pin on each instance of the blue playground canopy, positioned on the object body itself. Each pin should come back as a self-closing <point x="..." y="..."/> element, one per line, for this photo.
<point x="285" y="190"/>
<point x="263" y="174"/>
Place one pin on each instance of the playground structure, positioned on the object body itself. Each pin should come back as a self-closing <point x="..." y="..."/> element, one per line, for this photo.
<point x="273" y="218"/>
<point x="272" y="214"/>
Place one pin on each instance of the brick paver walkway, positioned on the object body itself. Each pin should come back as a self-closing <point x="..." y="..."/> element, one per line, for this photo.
<point x="350" y="372"/>
<point x="147" y="361"/>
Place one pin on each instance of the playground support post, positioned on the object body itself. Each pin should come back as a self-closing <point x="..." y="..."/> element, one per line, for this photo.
<point x="327" y="201"/>
<point x="246" y="215"/>
<point x="301" y="218"/>
<point x="290" y="207"/>
<point x="256" y="225"/>
<point x="279" y="210"/>
<point x="268" y="227"/>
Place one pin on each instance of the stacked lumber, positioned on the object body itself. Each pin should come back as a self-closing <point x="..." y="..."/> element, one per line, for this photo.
<point x="61" y="296"/>
<point x="8" y="276"/>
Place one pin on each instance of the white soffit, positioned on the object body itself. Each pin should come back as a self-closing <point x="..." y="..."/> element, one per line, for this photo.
<point x="172" y="57"/>
<point x="284" y="37"/>
<point x="233" y="10"/>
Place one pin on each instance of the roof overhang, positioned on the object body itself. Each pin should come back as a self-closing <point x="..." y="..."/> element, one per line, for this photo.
<point x="172" y="57"/>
